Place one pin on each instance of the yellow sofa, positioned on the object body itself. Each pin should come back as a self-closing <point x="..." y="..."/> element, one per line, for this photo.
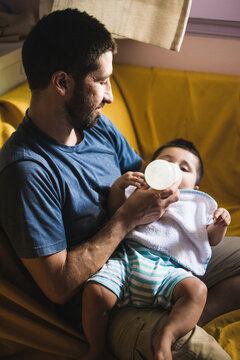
<point x="151" y="106"/>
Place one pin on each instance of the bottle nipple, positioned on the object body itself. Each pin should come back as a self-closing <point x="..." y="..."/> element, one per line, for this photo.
<point x="160" y="174"/>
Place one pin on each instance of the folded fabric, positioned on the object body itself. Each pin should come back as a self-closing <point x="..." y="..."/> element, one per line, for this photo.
<point x="226" y="329"/>
<point x="181" y="233"/>
<point x="163" y="24"/>
<point x="16" y="26"/>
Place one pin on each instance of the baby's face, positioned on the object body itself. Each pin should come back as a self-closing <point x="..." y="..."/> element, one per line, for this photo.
<point x="187" y="162"/>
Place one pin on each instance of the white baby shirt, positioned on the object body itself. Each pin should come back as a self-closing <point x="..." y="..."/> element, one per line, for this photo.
<point x="181" y="232"/>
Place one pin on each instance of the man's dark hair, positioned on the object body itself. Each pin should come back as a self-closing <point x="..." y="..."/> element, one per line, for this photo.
<point x="186" y="145"/>
<point x="65" y="40"/>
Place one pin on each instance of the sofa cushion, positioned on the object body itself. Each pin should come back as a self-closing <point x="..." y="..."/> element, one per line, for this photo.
<point x="200" y="107"/>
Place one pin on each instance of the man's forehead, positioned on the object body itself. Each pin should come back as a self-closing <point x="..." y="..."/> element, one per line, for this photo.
<point x="105" y="63"/>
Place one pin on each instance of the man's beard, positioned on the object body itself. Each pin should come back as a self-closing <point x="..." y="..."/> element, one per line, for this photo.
<point x="77" y="106"/>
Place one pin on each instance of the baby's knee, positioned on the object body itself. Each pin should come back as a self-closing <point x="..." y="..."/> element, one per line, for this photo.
<point x="100" y="295"/>
<point x="202" y="290"/>
<point x="193" y="289"/>
<point x="198" y="291"/>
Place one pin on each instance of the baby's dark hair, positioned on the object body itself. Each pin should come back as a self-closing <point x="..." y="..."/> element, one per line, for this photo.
<point x="186" y="145"/>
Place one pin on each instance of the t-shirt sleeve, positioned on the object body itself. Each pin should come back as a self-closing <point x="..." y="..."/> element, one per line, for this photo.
<point x="30" y="210"/>
<point x="129" y="159"/>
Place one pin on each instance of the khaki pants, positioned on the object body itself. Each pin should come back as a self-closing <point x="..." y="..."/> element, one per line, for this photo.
<point x="131" y="329"/>
<point x="225" y="261"/>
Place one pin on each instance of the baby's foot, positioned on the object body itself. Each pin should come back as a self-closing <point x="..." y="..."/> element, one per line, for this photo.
<point x="89" y="356"/>
<point x="163" y="354"/>
<point x="96" y="356"/>
<point x="162" y="348"/>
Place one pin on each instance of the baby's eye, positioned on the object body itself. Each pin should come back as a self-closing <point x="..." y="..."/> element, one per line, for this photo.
<point x="184" y="169"/>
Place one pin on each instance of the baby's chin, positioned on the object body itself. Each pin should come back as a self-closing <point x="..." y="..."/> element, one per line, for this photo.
<point x="182" y="187"/>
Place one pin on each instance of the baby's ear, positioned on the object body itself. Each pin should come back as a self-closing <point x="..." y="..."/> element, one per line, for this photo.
<point x="196" y="187"/>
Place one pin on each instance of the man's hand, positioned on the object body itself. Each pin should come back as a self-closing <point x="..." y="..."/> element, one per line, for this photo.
<point x="147" y="205"/>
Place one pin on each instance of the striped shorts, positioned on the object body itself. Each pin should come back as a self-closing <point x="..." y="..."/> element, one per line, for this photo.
<point x="139" y="276"/>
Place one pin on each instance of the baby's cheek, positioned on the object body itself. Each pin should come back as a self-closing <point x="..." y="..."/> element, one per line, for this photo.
<point x="182" y="184"/>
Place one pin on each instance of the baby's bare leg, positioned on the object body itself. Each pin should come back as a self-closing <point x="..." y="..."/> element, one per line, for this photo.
<point x="96" y="304"/>
<point x="189" y="298"/>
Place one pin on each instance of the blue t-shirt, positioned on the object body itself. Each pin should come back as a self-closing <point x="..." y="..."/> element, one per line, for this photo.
<point x="54" y="196"/>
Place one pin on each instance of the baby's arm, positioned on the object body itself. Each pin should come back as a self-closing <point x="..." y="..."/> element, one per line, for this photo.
<point x="116" y="195"/>
<point x="217" y="230"/>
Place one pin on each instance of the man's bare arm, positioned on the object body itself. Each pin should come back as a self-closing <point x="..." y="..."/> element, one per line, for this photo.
<point x="61" y="275"/>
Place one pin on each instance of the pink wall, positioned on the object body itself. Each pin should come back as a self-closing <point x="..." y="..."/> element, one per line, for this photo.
<point x="216" y="9"/>
<point x="198" y="53"/>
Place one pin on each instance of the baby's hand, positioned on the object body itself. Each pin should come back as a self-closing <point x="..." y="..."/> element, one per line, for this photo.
<point x="221" y="217"/>
<point x="131" y="178"/>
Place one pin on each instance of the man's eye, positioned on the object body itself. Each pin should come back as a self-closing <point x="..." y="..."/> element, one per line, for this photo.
<point x="184" y="169"/>
<point x="103" y="82"/>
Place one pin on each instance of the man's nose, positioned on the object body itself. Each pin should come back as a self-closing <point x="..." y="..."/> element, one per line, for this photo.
<point x="108" y="96"/>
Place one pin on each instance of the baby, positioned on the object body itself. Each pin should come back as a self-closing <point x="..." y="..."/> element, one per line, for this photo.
<point x="157" y="264"/>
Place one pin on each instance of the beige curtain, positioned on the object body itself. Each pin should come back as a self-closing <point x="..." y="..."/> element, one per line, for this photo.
<point x="157" y="22"/>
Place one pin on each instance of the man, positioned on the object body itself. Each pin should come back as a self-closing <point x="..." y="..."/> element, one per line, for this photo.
<point x="61" y="162"/>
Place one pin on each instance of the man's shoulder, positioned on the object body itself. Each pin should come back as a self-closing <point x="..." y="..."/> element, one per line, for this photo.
<point x="18" y="149"/>
<point x="107" y="130"/>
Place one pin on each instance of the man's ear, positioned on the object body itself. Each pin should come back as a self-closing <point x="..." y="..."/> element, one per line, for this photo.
<point x="196" y="187"/>
<point x="63" y="83"/>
